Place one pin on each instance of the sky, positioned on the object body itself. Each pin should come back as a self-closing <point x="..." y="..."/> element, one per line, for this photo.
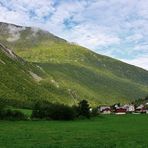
<point x="116" y="28"/>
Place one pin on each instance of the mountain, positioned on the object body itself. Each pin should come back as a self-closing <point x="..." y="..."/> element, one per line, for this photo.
<point x="19" y="80"/>
<point x="59" y="71"/>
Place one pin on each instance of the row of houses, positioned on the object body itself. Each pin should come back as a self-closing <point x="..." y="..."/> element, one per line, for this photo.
<point x="128" y="108"/>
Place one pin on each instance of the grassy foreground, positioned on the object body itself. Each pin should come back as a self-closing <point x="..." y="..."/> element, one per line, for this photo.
<point x="105" y="131"/>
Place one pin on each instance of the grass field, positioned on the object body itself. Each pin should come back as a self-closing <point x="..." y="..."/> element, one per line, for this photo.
<point x="105" y="131"/>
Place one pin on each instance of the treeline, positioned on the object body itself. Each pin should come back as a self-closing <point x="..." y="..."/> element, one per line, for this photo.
<point x="43" y="110"/>
<point x="140" y="101"/>
<point x="49" y="111"/>
<point x="9" y="114"/>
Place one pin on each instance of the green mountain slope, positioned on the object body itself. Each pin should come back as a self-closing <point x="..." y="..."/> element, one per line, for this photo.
<point x="70" y="72"/>
<point x="20" y="81"/>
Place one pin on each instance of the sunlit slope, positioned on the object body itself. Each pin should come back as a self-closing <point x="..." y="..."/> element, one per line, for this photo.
<point x="74" y="72"/>
<point x="20" y="80"/>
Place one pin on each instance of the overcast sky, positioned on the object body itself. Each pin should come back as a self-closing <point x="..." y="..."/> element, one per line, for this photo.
<point x="117" y="28"/>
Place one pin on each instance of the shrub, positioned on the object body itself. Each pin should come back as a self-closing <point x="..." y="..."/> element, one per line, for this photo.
<point x="62" y="112"/>
<point x="8" y="114"/>
<point x="45" y="110"/>
<point x="146" y="98"/>
<point x="94" y="112"/>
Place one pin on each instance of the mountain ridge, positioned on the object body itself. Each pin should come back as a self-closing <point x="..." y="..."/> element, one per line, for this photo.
<point x="72" y="72"/>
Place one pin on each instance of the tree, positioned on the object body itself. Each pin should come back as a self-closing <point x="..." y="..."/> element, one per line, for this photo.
<point x="46" y="110"/>
<point x="62" y="112"/>
<point x="41" y="109"/>
<point x="83" y="109"/>
<point x="146" y="98"/>
<point x="94" y="112"/>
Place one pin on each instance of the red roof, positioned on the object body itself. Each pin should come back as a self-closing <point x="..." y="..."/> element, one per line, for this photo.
<point x="120" y="110"/>
<point x="106" y="109"/>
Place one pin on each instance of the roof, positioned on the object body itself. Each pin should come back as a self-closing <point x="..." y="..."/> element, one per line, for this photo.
<point x="106" y="109"/>
<point x="120" y="109"/>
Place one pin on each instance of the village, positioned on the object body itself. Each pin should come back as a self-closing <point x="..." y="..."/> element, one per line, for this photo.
<point x="123" y="109"/>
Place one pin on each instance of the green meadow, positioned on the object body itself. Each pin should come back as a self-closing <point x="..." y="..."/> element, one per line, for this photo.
<point x="125" y="131"/>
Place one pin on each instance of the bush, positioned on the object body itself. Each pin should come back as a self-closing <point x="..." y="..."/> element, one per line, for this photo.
<point x="146" y="98"/>
<point x="49" y="111"/>
<point x="94" y="112"/>
<point x="45" y="110"/>
<point x="8" y="114"/>
<point x="62" y="112"/>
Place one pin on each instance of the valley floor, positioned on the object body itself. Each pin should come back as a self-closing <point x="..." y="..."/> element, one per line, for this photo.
<point x="104" y="131"/>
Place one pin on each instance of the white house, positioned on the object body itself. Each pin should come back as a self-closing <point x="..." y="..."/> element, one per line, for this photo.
<point x="129" y="107"/>
<point x="141" y="109"/>
<point x="105" y="110"/>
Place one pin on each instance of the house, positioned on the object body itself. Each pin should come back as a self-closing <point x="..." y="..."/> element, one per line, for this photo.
<point x="120" y="111"/>
<point x="141" y="109"/>
<point x="105" y="110"/>
<point x="130" y="108"/>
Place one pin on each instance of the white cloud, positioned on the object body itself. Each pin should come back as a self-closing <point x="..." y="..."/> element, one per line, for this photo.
<point x="91" y="36"/>
<point x="14" y="33"/>
<point x="119" y="27"/>
<point x="134" y="38"/>
<point x="140" y="62"/>
<point x="25" y="12"/>
<point x="141" y="48"/>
